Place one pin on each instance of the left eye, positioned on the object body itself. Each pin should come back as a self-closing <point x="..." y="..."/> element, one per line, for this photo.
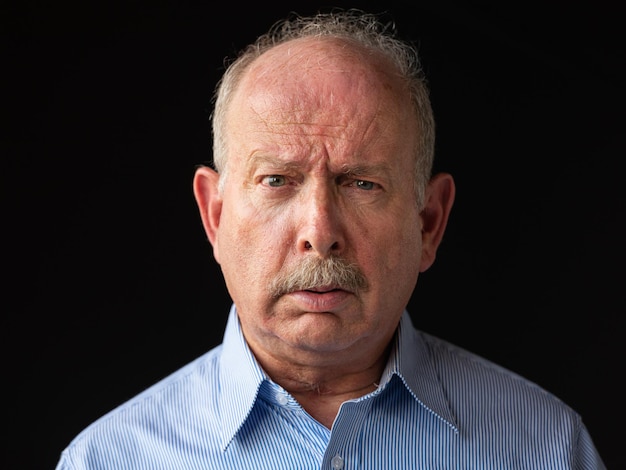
<point x="274" y="180"/>
<point x="362" y="184"/>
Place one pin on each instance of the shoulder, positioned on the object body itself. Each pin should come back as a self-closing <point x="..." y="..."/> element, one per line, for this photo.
<point x="475" y="384"/>
<point x="171" y="407"/>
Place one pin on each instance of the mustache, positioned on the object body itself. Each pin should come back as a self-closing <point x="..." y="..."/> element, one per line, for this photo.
<point x="315" y="272"/>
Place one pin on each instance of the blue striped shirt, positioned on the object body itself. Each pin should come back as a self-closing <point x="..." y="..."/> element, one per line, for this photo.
<point x="437" y="407"/>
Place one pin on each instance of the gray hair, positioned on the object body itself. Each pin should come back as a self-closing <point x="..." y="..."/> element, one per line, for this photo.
<point x="353" y="25"/>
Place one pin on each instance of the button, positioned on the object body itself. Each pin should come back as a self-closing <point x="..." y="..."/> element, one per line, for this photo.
<point x="337" y="462"/>
<point x="282" y="399"/>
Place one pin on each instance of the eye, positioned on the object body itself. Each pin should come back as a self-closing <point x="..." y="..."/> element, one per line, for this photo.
<point x="274" y="180"/>
<point x="366" y="185"/>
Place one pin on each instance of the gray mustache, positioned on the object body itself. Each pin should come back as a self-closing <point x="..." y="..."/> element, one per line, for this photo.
<point x="315" y="272"/>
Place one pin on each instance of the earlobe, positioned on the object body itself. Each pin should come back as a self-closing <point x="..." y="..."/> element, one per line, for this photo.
<point x="439" y="200"/>
<point x="209" y="200"/>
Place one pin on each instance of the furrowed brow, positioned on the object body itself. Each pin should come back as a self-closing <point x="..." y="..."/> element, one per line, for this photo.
<point x="381" y="169"/>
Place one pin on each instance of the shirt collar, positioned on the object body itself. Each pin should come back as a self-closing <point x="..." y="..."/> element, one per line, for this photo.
<point x="412" y="362"/>
<point x="241" y="376"/>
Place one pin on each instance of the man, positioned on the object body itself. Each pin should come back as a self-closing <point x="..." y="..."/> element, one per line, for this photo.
<point x="322" y="212"/>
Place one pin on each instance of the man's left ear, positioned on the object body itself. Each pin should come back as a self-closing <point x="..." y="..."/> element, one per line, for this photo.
<point x="439" y="199"/>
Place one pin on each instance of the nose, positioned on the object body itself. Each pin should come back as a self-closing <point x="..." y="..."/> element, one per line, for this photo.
<point x="322" y="223"/>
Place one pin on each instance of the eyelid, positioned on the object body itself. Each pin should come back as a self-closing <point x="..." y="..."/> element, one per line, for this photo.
<point x="351" y="179"/>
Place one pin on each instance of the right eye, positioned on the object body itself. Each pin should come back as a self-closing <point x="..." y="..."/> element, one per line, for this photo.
<point x="274" y="180"/>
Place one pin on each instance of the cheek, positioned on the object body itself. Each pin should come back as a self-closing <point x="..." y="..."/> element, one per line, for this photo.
<point x="393" y="259"/>
<point x="250" y="243"/>
<point x="402" y="263"/>
<point x="395" y="242"/>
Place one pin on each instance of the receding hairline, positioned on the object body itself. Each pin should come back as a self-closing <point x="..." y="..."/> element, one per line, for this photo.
<point x="353" y="26"/>
<point x="332" y="54"/>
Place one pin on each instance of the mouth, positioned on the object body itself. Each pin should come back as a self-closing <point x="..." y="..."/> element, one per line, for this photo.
<point x="322" y="298"/>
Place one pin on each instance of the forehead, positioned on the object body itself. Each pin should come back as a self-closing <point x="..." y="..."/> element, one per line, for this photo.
<point x="327" y="73"/>
<point x="321" y="90"/>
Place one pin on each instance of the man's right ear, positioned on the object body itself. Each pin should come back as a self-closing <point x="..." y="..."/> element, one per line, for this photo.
<point x="209" y="200"/>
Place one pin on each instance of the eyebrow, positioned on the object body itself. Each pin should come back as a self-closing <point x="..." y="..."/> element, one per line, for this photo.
<point x="256" y="160"/>
<point x="356" y="170"/>
<point x="365" y="170"/>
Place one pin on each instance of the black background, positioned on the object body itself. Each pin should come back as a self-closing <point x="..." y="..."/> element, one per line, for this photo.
<point x="111" y="284"/>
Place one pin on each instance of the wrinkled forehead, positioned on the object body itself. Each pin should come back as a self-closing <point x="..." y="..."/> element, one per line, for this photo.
<point x="309" y="74"/>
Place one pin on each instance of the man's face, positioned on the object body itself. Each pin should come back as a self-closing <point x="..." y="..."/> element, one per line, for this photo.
<point x="320" y="165"/>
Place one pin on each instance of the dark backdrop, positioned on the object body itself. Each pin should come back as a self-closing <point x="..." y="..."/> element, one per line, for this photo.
<point x="111" y="284"/>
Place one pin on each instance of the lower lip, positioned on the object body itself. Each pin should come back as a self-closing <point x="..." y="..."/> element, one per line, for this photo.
<point x="321" y="301"/>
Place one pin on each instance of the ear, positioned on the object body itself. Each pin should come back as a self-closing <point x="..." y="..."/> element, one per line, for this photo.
<point x="209" y="200"/>
<point x="438" y="204"/>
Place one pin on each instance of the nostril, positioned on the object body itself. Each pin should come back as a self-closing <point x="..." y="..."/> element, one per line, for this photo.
<point x="307" y="245"/>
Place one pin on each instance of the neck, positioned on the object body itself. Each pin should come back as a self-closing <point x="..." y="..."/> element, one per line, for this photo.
<point x="323" y="404"/>
<point x="322" y="390"/>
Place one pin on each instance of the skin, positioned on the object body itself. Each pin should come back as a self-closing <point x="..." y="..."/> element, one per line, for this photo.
<point x="320" y="163"/>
